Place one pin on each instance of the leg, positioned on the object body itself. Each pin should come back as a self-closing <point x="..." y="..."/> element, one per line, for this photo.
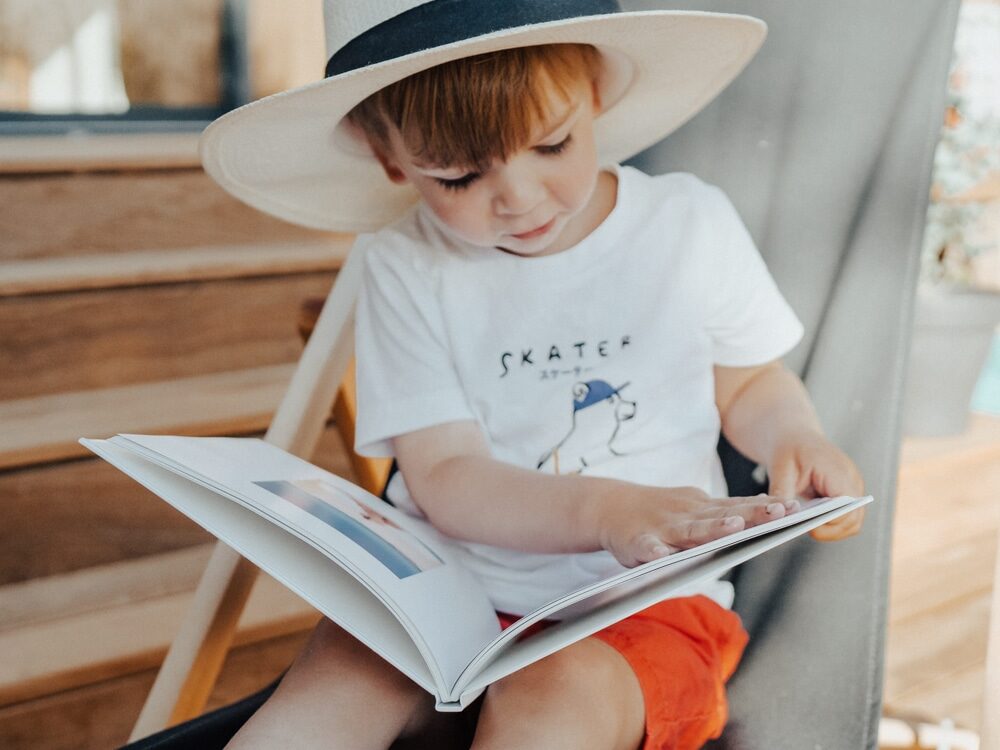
<point x="683" y="652"/>
<point x="656" y="678"/>
<point x="584" y="696"/>
<point x="338" y="693"/>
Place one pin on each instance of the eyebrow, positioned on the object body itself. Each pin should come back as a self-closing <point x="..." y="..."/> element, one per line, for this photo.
<point x="554" y="129"/>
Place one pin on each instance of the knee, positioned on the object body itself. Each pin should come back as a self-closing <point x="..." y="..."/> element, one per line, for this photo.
<point x="334" y="653"/>
<point x="582" y="670"/>
<point x="589" y="684"/>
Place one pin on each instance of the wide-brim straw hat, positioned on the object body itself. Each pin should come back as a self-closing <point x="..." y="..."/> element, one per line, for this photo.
<point x="294" y="156"/>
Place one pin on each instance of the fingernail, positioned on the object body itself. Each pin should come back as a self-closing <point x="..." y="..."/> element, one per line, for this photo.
<point x="731" y="521"/>
<point x="774" y="508"/>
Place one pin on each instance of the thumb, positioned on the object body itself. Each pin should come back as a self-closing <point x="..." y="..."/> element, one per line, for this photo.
<point x="784" y="479"/>
<point x="650" y="547"/>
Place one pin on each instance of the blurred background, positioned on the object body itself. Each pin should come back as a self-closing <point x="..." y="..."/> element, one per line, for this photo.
<point x="135" y="296"/>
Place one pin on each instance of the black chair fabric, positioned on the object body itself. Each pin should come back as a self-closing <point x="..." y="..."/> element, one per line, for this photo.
<point x="210" y="731"/>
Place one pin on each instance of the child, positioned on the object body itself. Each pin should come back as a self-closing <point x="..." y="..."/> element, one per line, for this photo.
<point x="549" y="344"/>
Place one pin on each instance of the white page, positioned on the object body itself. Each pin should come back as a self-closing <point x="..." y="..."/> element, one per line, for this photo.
<point x="288" y="559"/>
<point x="437" y="601"/>
<point x="579" y="600"/>
<point x="627" y="593"/>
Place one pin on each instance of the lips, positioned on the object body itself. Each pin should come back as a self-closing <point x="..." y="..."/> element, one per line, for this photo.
<point x="537" y="231"/>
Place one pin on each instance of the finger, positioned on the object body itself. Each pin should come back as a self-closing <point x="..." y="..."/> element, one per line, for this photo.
<point x="651" y="547"/>
<point x="696" y="532"/>
<point x="791" y="504"/>
<point x="784" y="477"/>
<point x="840" y="480"/>
<point x="760" y="509"/>
<point x="840" y="528"/>
<point x="748" y="507"/>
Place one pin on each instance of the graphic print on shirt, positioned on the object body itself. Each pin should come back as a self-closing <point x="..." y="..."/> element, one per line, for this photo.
<point x="599" y="411"/>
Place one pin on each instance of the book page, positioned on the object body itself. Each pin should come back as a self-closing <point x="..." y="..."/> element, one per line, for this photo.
<point x="298" y="566"/>
<point x="625" y="594"/>
<point x="406" y="564"/>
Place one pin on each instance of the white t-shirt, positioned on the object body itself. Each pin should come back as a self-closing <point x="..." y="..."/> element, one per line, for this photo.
<point x="597" y="359"/>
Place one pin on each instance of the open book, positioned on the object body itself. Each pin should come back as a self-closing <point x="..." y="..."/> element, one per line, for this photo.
<point x="392" y="580"/>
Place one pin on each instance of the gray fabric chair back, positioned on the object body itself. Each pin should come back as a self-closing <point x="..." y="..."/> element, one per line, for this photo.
<point x="825" y="145"/>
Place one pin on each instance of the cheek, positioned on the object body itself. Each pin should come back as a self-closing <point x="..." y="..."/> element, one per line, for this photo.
<point x="461" y="212"/>
<point x="578" y="181"/>
<point x="578" y="174"/>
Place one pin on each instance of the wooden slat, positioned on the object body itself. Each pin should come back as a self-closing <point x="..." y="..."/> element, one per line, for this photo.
<point x="991" y="678"/>
<point x="927" y="650"/>
<point x="93" y="152"/>
<point x="46" y="428"/>
<point x="64" y="343"/>
<point x="944" y="542"/>
<point x="108" y="213"/>
<point x="95" y="516"/>
<point x="957" y="695"/>
<point x="99" y="715"/>
<point x="113" y="641"/>
<point x="101" y="586"/>
<point x="949" y="500"/>
<point x="936" y="454"/>
<point x="940" y="577"/>
<point x="103" y="271"/>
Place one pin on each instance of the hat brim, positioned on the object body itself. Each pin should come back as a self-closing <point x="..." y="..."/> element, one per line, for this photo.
<point x="285" y="155"/>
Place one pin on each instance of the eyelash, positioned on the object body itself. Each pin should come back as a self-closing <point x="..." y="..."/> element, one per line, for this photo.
<point x="458" y="184"/>
<point x="556" y="148"/>
<point x="463" y="182"/>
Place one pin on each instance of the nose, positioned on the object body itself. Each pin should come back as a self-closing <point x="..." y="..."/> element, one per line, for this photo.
<point x="518" y="191"/>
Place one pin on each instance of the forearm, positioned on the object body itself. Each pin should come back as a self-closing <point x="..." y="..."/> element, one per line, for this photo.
<point x="770" y="410"/>
<point x="468" y="494"/>
<point x="480" y="499"/>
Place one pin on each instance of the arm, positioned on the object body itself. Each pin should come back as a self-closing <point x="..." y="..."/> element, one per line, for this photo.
<point x="767" y="415"/>
<point x="468" y="494"/>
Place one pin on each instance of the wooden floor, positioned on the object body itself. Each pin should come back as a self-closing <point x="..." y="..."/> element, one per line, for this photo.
<point x="945" y="542"/>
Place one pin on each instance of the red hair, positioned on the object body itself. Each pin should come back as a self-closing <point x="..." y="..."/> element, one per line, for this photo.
<point x="475" y="110"/>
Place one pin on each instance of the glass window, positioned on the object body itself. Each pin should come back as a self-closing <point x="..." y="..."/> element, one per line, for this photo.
<point x="119" y="65"/>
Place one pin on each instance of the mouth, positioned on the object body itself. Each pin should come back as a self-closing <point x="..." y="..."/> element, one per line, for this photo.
<point x="537" y="231"/>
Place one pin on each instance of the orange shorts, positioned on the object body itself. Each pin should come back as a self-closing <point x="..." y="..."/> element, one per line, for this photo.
<point x="682" y="651"/>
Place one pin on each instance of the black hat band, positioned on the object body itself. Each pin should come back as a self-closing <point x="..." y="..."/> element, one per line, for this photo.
<point x="440" y="22"/>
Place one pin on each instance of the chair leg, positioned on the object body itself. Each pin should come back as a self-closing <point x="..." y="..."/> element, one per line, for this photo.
<point x="199" y="650"/>
<point x="195" y="658"/>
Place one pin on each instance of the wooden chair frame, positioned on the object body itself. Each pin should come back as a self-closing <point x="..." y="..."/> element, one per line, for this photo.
<point x="197" y="653"/>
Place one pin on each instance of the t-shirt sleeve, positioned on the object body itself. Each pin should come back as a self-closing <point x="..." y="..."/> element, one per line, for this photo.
<point x="405" y="377"/>
<point x="746" y="317"/>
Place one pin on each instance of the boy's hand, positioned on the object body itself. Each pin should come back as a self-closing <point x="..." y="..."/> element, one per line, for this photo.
<point x="808" y="465"/>
<point x="655" y="521"/>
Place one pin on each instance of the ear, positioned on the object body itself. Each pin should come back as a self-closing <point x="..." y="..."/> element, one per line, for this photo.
<point x="390" y="167"/>
<point x="596" y="94"/>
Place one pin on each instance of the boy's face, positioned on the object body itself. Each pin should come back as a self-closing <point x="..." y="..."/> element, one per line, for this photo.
<point x="539" y="202"/>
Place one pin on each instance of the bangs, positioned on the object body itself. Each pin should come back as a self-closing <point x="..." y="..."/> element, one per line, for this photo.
<point x="473" y="111"/>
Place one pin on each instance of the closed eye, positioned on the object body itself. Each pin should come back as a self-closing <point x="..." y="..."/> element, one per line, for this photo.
<point x="556" y="148"/>
<point x="459" y="183"/>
